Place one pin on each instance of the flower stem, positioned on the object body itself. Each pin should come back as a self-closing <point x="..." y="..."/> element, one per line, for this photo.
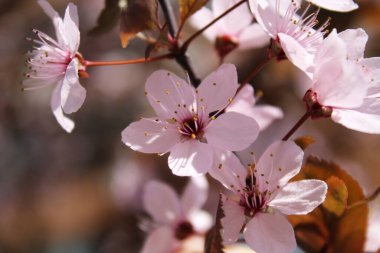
<point x="177" y="52"/>
<point x="195" y="35"/>
<point x="256" y="70"/>
<point x="126" y="62"/>
<point x="302" y="120"/>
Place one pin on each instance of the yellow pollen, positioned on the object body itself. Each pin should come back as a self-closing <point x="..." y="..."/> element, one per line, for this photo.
<point x="202" y="99"/>
<point x="193" y="136"/>
<point x="167" y="92"/>
<point x="213" y="118"/>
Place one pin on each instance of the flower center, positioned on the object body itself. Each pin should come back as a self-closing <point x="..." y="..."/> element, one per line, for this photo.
<point x="252" y="200"/>
<point x="184" y="230"/>
<point x="191" y="128"/>
<point x="315" y="109"/>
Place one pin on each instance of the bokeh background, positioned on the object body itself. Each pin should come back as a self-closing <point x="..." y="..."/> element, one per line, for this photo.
<point x="81" y="192"/>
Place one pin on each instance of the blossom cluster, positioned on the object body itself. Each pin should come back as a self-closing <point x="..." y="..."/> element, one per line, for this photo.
<point x="201" y="127"/>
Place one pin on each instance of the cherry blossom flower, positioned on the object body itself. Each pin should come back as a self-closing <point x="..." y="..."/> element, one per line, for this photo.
<point x="175" y="219"/>
<point x="262" y="196"/>
<point x="236" y="30"/>
<point x="345" y="86"/>
<point x="282" y="23"/>
<point x="57" y="62"/>
<point x="189" y="124"/>
<point x="245" y="103"/>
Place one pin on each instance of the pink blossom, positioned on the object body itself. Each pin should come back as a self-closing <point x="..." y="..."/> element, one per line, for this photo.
<point x="189" y="124"/>
<point x="245" y="103"/>
<point x="57" y="62"/>
<point x="345" y="85"/>
<point x="262" y="196"/>
<point x="282" y="23"/>
<point x="235" y="30"/>
<point x="175" y="219"/>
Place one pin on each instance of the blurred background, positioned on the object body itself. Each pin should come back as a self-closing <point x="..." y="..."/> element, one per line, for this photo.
<point x="81" y="192"/>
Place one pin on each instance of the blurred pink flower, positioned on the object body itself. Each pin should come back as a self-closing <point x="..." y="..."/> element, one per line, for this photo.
<point x="262" y="197"/>
<point x="245" y="103"/>
<point x="235" y="30"/>
<point x="280" y="20"/>
<point x="188" y="125"/>
<point x="345" y="85"/>
<point x="174" y="219"/>
<point x="57" y="62"/>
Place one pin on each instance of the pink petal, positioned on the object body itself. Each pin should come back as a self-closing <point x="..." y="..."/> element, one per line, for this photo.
<point x="161" y="203"/>
<point x="232" y="131"/>
<point x="169" y="95"/>
<point x="365" y="119"/>
<point x="72" y="93"/>
<point x="55" y="103"/>
<point x="336" y="5"/>
<point x="253" y="36"/>
<point x="299" y="197"/>
<point x="195" y="194"/>
<point x="355" y="40"/>
<point x="161" y="240"/>
<point x="244" y="103"/>
<point x="265" y="15"/>
<point x="150" y="135"/>
<point x="190" y="158"/>
<point x="332" y="48"/>
<point x="232" y="221"/>
<point x="340" y="84"/>
<point x="265" y="115"/>
<point x="70" y="27"/>
<point x="228" y="170"/>
<point x="279" y="163"/>
<point x="270" y="233"/>
<point x="200" y="19"/>
<point x="297" y="54"/>
<point x="223" y="82"/>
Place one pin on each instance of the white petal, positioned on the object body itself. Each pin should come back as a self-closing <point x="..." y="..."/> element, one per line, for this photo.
<point x="232" y="221"/>
<point x="161" y="203"/>
<point x="232" y="131"/>
<point x="297" y="54"/>
<point x="253" y="37"/>
<point x="228" y="170"/>
<point x="190" y="158"/>
<point x="365" y="119"/>
<point x="236" y="20"/>
<point x="161" y="240"/>
<point x="332" y="48"/>
<point x="70" y="27"/>
<point x="224" y="83"/>
<point x="270" y="233"/>
<point x="355" y="40"/>
<point x="299" y="197"/>
<point x="150" y="135"/>
<point x="72" y="93"/>
<point x="195" y="194"/>
<point x="280" y="162"/>
<point x="169" y="95"/>
<point x="201" y="220"/>
<point x="336" y="5"/>
<point x="265" y="115"/>
<point x="55" y="103"/>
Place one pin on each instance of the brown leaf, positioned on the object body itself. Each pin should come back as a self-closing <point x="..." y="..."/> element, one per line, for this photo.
<point x="342" y="234"/>
<point x="137" y="16"/>
<point x="336" y="198"/>
<point x="189" y="7"/>
<point x="304" y="141"/>
<point x="214" y="241"/>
